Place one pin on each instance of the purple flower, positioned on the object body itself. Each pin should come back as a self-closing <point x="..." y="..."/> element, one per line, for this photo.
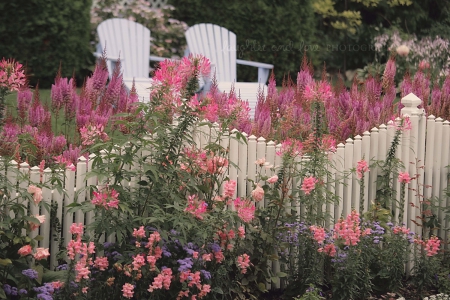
<point x="206" y="274"/>
<point x="185" y="264"/>
<point x="30" y="273"/>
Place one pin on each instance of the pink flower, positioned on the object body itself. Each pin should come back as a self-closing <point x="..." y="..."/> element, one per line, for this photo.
<point x="196" y="207"/>
<point x="243" y="262"/>
<point x="362" y="168"/>
<point x="57" y="284"/>
<point x="37" y="193"/>
<point x="330" y="249"/>
<point x="403" y="177"/>
<point x="41" y="253"/>
<point x="348" y="229"/>
<point x="319" y="233"/>
<point x="34" y="226"/>
<point x="273" y="179"/>
<point x="241" y="232"/>
<point x="76" y="229"/>
<point x="138" y="262"/>
<point x="128" y="290"/>
<point x="309" y="184"/>
<point x="432" y="246"/>
<point x="108" y="198"/>
<point x="229" y="188"/>
<point x="139" y="233"/>
<point x="245" y="209"/>
<point x="101" y="263"/>
<point x="260" y="161"/>
<point x="25" y="250"/>
<point x="258" y="193"/>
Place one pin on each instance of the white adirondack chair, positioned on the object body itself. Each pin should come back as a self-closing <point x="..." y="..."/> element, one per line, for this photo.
<point x="218" y="44"/>
<point x="131" y="42"/>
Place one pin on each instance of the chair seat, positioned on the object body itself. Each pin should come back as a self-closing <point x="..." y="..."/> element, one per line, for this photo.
<point x="142" y="86"/>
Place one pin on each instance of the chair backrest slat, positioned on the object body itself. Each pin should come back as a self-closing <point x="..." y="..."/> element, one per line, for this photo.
<point x="128" y="40"/>
<point x="216" y="43"/>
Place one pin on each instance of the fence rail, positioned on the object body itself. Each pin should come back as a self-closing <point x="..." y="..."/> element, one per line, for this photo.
<point x="424" y="151"/>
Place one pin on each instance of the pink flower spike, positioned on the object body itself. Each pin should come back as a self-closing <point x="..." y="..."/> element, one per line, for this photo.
<point x="309" y="184"/>
<point x="362" y="168"/>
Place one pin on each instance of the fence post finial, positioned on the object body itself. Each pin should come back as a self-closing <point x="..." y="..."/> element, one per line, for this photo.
<point x="411" y="102"/>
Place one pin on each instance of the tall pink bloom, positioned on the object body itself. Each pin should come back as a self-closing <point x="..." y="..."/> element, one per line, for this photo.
<point x="432" y="246"/>
<point x="128" y="290"/>
<point x="362" y="168"/>
<point x="309" y="184"/>
<point x="229" y="188"/>
<point x="403" y="177"/>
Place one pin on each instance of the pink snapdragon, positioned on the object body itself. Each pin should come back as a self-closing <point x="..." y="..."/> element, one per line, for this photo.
<point x="245" y="209"/>
<point x="432" y="246"/>
<point x="403" y="177"/>
<point x="128" y="290"/>
<point x="163" y="280"/>
<point x="101" y="263"/>
<point x="319" y="233"/>
<point x="140" y="233"/>
<point x="348" y="229"/>
<point x="241" y="232"/>
<point x="309" y="184"/>
<point x="229" y="188"/>
<point x="361" y="168"/>
<point x="243" y="262"/>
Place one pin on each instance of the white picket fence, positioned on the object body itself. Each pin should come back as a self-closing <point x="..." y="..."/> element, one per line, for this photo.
<point x="424" y="151"/>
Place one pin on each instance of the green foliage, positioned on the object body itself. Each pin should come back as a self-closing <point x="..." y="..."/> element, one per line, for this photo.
<point x="44" y="34"/>
<point x="275" y="32"/>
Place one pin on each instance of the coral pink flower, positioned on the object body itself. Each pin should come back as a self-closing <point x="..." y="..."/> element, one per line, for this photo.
<point x="348" y="229"/>
<point x="319" y="233"/>
<point x="432" y="246"/>
<point x="330" y="249"/>
<point x="361" y="168"/>
<point x="76" y="228"/>
<point x="207" y="257"/>
<point x="108" y="198"/>
<point x="403" y="177"/>
<point x="273" y="179"/>
<point x="138" y="262"/>
<point x="41" y="253"/>
<point x="308" y="184"/>
<point x="258" y="193"/>
<point x="243" y="262"/>
<point x="25" y="250"/>
<point x="101" y="263"/>
<point x="128" y="290"/>
<point x="57" y="284"/>
<point x="139" y="233"/>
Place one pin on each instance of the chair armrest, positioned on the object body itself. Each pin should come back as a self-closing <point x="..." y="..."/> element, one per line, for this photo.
<point x="157" y="58"/>
<point x="263" y="69"/>
<point x="114" y="59"/>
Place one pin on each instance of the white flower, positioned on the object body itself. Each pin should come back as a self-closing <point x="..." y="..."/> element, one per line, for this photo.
<point x="402" y="50"/>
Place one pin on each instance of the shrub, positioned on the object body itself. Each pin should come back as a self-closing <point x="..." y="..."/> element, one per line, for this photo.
<point x="44" y="34"/>
<point x="267" y="31"/>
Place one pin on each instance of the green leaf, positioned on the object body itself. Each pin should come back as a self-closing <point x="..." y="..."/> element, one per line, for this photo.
<point x="217" y="290"/>
<point x="39" y="238"/>
<point x="262" y="287"/>
<point x="40" y="270"/>
<point x="49" y="276"/>
<point x="281" y="274"/>
<point x="2" y="294"/>
<point x="5" y="261"/>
